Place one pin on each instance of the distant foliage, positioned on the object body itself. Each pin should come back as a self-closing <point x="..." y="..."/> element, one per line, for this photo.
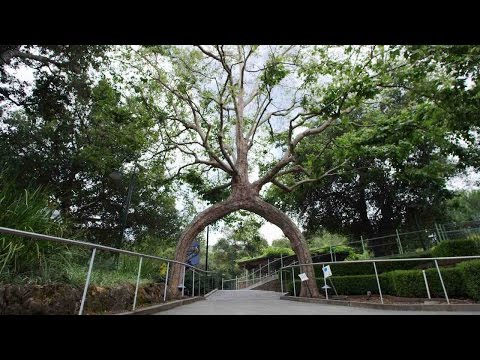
<point x="325" y="238"/>
<point x="462" y="247"/>
<point x="277" y="251"/>
<point x="465" y="206"/>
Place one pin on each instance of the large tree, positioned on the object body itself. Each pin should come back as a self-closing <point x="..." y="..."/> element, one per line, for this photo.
<point x="65" y="67"/>
<point x="402" y="146"/>
<point x="221" y="106"/>
<point x="74" y="150"/>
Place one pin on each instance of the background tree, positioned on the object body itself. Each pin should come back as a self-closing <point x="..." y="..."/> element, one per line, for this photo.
<point x="56" y="69"/>
<point x="281" y="243"/>
<point x="402" y="146"/>
<point x="241" y="240"/>
<point x="73" y="147"/>
<point x="464" y="206"/>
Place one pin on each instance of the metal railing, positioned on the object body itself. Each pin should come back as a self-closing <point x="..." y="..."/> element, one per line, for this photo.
<point x="292" y="267"/>
<point x="258" y="275"/>
<point x="95" y="247"/>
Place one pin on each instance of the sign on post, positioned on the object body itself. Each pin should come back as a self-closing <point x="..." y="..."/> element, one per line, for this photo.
<point x="326" y="271"/>
<point x="303" y="277"/>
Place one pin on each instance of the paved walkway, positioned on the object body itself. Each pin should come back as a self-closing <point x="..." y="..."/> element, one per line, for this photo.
<point x="258" y="302"/>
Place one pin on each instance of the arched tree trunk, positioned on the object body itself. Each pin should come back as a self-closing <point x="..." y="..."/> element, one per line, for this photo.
<point x="244" y="199"/>
<point x="293" y="233"/>
<point x="200" y="222"/>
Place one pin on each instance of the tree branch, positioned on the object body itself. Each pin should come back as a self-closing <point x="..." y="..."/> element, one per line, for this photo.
<point x="8" y="55"/>
<point x="305" y="181"/>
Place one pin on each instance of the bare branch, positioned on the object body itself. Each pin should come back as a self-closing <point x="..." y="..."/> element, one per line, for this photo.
<point x="306" y="181"/>
<point x="218" y="188"/>
<point x="284" y="161"/>
<point x="319" y="129"/>
<point x="209" y="54"/>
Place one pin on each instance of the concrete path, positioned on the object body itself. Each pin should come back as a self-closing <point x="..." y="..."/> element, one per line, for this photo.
<point x="259" y="302"/>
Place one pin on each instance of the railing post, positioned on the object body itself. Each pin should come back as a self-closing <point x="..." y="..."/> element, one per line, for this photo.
<point x="293" y="279"/>
<point x="444" y="232"/>
<point x="426" y="284"/>
<point x="87" y="282"/>
<point x="399" y="243"/>
<point x="199" y="277"/>
<point x="236" y="282"/>
<point x="281" y="281"/>
<point x="439" y="233"/>
<point x="268" y="266"/>
<point x="183" y="281"/>
<point x="166" y="283"/>
<point x="222" y="283"/>
<point x="246" y="277"/>
<point x="193" y="283"/>
<point x="363" y="245"/>
<point x="325" y="280"/>
<point x="138" y="281"/>
<point x="378" y="282"/>
<point x="441" y="280"/>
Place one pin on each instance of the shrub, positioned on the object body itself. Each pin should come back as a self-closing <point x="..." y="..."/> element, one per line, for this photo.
<point x="453" y="279"/>
<point x="470" y="271"/>
<point x="463" y="247"/>
<point x="276" y="251"/>
<point x="366" y="268"/>
<point x="407" y="283"/>
<point x="357" y="284"/>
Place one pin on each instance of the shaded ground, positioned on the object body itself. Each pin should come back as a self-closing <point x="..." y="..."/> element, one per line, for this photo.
<point x="258" y="302"/>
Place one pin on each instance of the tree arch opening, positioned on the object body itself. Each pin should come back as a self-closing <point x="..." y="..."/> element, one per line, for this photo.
<point x="249" y="201"/>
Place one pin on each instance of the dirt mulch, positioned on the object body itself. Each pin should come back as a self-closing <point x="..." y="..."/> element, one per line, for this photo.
<point x="389" y="299"/>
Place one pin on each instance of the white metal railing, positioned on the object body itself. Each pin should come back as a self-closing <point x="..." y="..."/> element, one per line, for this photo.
<point x="96" y="247"/>
<point x="256" y="276"/>
<point x="374" y="262"/>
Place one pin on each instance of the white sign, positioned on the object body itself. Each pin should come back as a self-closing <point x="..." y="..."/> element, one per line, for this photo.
<point x="326" y="271"/>
<point x="303" y="276"/>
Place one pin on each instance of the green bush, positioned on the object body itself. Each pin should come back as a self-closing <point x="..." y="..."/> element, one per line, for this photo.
<point x="407" y="283"/>
<point x="366" y="268"/>
<point x="470" y="271"/>
<point x="453" y="279"/>
<point x="410" y="283"/>
<point x="357" y="284"/>
<point x="463" y="247"/>
<point x="416" y="254"/>
<point x="345" y="285"/>
<point x="276" y="251"/>
<point x="474" y="237"/>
